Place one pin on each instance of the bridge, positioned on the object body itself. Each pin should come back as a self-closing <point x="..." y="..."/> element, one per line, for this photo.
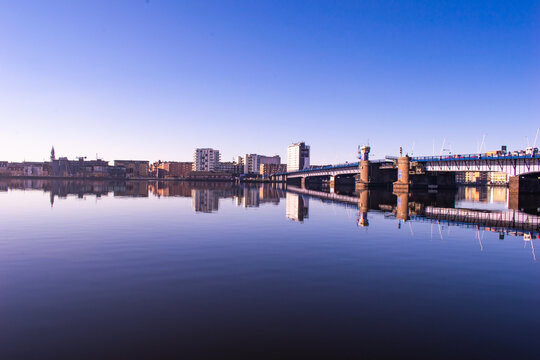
<point x="512" y="165"/>
<point x="422" y="172"/>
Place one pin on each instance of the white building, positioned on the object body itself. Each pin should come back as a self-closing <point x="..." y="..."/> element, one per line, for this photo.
<point x="205" y="159"/>
<point x="297" y="157"/>
<point x="252" y="162"/>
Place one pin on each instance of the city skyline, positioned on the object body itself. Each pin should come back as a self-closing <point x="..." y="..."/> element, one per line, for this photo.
<point x="154" y="80"/>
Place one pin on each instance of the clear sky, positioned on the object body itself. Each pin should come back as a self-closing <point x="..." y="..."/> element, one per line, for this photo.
<point x="139" y="79"/>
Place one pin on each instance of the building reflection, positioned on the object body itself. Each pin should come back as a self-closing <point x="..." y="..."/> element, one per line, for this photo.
<point x="296" y="207"/>
<point x="483" y="194"/>
<point x="205" y="201"/>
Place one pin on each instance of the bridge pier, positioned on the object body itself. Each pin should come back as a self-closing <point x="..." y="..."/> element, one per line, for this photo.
<point x="332" y="184"/>
<point x="363" y="176"/>
<point x="523" y="184"/>
<point x="303" y="183"/>
<point x="402" y="184"/>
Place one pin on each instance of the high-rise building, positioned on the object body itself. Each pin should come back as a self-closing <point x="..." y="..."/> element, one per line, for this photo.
<point x="297" y="157"/>
<point x="205" y="159"/>
<point x="252" y="162"/>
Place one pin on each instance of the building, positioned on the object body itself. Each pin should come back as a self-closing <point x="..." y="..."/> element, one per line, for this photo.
<point x="205" y="159"/>
<point x="4" y="167"/>
<point x="270" y="169"/>
<point x="297" y="157"/>
<point x="230" y="167"/>
<point x="172" y="169"/>
<point x="498" y="178"/>
<point x="474" y="177"/>
<point x="62" y="167"/>
<point x="134" y="168"/>
<point x="35" y="169"/>
<point x="252" y="162"/>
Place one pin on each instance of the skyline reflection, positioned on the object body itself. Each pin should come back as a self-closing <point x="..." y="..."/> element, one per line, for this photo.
<point x="486" y="208"/>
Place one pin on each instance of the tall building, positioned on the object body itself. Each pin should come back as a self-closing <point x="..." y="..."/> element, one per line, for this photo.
<point x="252" y="162"/>
<point x="205" y="159"/>
<point x="297" y="157"/>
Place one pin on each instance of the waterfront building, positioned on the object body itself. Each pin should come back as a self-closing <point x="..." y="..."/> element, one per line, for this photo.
<point x="134" y="168"/>
<point x="230" y="167"/>
<point x="205" y="159"/>
<point x="3" y="167"/>
<point x="62" y="167"/>
<point x="35" y="169"/>
<point x="297" y="157"/>
<point x="252" y="162"/>
<point x="498" y="178"/>
<point x="172" y="169"/>
<point x="476" y="177"/>
<point x="270" y="169"/>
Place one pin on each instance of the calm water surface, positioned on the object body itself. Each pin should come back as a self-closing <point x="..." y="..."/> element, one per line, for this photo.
<point x="97" y="270"/>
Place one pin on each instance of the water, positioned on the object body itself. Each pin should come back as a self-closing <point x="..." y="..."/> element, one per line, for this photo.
<point x="94" y="270"/>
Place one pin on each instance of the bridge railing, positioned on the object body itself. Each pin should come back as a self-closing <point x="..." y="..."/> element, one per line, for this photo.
<point x="321" y="168"/>
<point x="461" y="157"/>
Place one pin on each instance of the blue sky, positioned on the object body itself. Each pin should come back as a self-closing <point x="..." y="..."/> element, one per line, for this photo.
<point x="155" y="79"/>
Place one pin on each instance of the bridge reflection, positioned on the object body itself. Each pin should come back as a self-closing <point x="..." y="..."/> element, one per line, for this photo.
<point x="436" y="206"/>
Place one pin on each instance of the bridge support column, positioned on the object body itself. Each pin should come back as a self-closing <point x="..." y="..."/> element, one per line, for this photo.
<point x="402" y="184"/>
<point x="332" y="184"/>
<point x="523" y="184"/>
<point x="363" y="179"/>
<point x="303" y="183"/>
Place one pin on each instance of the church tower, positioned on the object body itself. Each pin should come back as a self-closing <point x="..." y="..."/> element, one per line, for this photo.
<point x="53" y="157"/>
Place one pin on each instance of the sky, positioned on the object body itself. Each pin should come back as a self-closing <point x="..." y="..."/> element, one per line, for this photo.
<point x="154" y="79"/>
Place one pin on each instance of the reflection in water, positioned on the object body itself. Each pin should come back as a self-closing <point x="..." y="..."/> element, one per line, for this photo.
<point x="484" y="197"/>
<point x="478" y="208"/>
<point x="297" y="207"/>
<point x="350" y="271"/>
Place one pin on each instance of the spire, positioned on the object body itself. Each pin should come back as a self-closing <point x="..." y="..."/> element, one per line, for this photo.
<point x="52" y="154"/>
